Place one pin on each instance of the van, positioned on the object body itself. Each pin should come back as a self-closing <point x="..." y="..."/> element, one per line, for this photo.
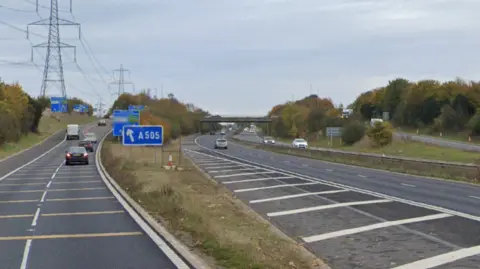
<point x="73" y="132"/>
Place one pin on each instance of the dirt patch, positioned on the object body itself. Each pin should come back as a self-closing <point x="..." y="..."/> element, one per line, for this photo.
<point x="202" y="214"/>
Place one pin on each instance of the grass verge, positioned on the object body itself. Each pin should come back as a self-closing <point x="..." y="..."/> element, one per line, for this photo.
<point x="48" y="126"/>
<point x="406" y="167"/>
<point x="461" y="136"/>
<point x="201" y="213"/>
<point x="403" y="148"/>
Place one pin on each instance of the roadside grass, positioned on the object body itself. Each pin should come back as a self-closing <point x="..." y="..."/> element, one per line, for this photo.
<point x="201" y="213"/>
<point x="406" y="167"/>
<point x="48" y="126"/>
<point x="454" y="136"/>
<point x="403" y="148"/>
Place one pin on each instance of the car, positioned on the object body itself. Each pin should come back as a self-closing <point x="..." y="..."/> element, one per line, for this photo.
<point x="221" y="143"/>
<point x="268" y="140"/>
<point x="76" y="155"/>
<point x="212" y="132"/>
<point x="102" y="123"/>
<point x="91" y="137"/>
<point x="223" y="132"/>
<point x="88" y="145"/>
<point x="300" y="143"/>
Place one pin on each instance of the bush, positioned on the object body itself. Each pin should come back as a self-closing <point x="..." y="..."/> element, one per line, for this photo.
<point x="380" y="134"/>
<point x="353" y="132"/>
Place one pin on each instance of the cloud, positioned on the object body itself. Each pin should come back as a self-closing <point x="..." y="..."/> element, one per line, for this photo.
<point x="243" y="57"/>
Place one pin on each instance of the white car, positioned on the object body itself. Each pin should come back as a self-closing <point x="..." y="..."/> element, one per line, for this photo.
<point x="300" y="143"/>
<point x="268" y="140"/>
<point x="221" y="143"/>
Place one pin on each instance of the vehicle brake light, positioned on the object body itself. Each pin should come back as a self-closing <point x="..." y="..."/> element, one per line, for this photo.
<point x="85" y="155"/>
<point x="69" y="155"/>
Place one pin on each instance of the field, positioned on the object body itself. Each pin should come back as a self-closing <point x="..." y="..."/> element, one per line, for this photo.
<point x="201" y="213"/>
<point x="47" y="127"/>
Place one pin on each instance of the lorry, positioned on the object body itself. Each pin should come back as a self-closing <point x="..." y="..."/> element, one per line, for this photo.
<point x="73" y="132"/>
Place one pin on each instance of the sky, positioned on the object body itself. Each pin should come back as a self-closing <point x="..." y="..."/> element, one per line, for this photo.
<point x="242" y="57"/>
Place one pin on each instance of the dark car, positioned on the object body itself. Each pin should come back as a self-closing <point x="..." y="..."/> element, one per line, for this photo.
<point x="212" y="132"/>
<point x="88" y="145"/>
<point x="102" y="123"/>
<point x="76" y="155"/>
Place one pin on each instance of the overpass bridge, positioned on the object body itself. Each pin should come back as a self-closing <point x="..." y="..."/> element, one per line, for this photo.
<point x="242" y="120"/>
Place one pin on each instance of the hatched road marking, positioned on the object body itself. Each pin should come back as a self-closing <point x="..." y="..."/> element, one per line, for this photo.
<point x="245" y="174"/>
<point x="80" y="199"/>
<point x="62" y="236"/>
<point x="255" y="180"/>
<point x="294" y="196"/>
<point x="50" y="190"/>
<point x="82" y="213"/>
<point x="276" y="186"/>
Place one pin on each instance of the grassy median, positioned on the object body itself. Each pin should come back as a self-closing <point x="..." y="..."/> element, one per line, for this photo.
<point x="48" y="126"/>
<point x="471" y="175"/>
<point x="202" y="214"/>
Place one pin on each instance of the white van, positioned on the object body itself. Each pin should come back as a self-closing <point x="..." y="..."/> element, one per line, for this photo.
<point x="73" y="132"/>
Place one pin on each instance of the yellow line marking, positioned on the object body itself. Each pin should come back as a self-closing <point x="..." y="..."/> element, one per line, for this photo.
<point x="77" y="182"/>
<point x="50" y="190"/>
<point x="22" y="184"/>
<point x="19" y="201"/>
<point x="61" y="236"/>
<point x="82" y="198"/>
<point x="82" y="213"/>
<point x="15" y="216"/>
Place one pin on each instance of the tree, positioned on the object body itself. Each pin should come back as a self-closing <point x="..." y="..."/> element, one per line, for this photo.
<point x="353" y="132"/>
<point x="380" y="134"/>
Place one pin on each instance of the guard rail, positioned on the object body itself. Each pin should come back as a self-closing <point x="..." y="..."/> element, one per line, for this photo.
<point x="424" y="167"/>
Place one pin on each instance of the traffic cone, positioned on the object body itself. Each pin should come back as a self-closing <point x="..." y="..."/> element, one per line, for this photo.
<point x="170" y="160"/>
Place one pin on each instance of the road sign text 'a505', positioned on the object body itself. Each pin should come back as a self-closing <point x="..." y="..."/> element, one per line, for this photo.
<point x="142" y="135"/>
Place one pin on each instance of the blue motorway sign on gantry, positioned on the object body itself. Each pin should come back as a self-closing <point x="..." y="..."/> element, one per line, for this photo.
<point x="122" y="118"/>
<point x="136" y="107"/>
<point x="58" y="104"/>
<point x="142" y="135"/>
<point x="80" y="108"/>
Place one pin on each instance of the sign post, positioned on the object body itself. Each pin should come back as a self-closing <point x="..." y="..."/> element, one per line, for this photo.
<point x="333" y="132"/>
<point x="143" y="135"/>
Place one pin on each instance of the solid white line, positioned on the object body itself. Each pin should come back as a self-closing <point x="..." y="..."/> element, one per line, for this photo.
<point x="245" y="174"/>
<point x="254" y="180"/>
<point x="329" y="170"/>
<point x="232" y="170"/>
<point x="475" y="197"/>
<point x="228" y="166"/>
<point x="408" y="185"/>
<point x="43" y="197"/>
<point x="367" y="228"/>
<point x="359" y="190"/>
<point x="26" y="252"/>
<point x="322" y="207"/>
<point x="442" y="259"/>
<point x="49" y="183"/>
<point x="35" y="218"/>
<point x="294" y="196"/>
<point x="276" y="186"/>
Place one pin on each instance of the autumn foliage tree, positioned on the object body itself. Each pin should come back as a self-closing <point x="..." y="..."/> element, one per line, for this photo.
<point x="380" y="134"/>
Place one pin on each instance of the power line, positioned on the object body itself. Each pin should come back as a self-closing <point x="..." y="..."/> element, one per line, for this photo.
<point x="121" y="80"/>
<point x="16" y="9"/>
<point x="53" y="69"/>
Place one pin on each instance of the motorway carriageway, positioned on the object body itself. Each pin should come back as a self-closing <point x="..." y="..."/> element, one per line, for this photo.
<point x="353" y="224"/>
<point x="55" y="217"/>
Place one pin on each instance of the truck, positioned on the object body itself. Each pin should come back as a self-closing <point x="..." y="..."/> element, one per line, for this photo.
<point x="73" y="132"/>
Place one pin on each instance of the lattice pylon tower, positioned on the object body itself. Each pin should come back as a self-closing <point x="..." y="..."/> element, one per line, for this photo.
<point x="53" y="69"/>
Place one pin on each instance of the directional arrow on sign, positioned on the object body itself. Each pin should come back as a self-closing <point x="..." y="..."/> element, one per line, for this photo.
<point x="130" y="134"/>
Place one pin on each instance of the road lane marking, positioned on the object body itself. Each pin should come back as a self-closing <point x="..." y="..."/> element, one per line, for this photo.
<point x="49" y="183"/>
<point x="255" y="180"/>
<point x="362" y="176"/>
<point x="43" y="196"/>
<point x="26" y="253"/>
<point x="474" y="197"/>
<point x="286" y="161"/>
<point x="15" y="216"/>
<point x="74" y="177"/>
<point x="32" y="173"/>
<point x="28" y="179"/>
<point x="18" y="201"/>
<point x="354" y="189"/>
<point x="329" y="170"/>
<point x="222" y="167"/>
<point x="231" y="170"/>
<point x="442" y="259"/>
<point x="245" y="174"/>
<point x="76" y="182"/>
<point x="21" y="184"/>
<point x="305" y="165"/>
<point x="63" y="236"/>
<point x="82" y="213"/>
<point x="315" y="238"/>
<point x="277" y="186"/>
<point x="322" y="207"/>
<point x="294" y="196"/>
<point x="79" y="199"/>
<point x="29" y="191"/>
<point x="35" y="218"/>
<point x="408" y="185"/>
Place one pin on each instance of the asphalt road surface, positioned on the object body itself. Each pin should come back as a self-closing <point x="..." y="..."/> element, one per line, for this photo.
<point x="349" y="216"/>
<point x="55" y="217"/>
<point x="440" y="142"/>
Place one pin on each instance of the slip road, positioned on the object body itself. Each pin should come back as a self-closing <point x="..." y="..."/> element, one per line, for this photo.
<point x="353" y="217"/>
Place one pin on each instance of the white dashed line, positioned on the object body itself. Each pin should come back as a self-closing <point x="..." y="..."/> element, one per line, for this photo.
<point x="49" y="183"/>
<point x="35" y="218"/>
<point x="375" y="226"/>
<point x="305" y="165"/>
<point x="43" y="197"/>
<point x="286" y="161"/>
<point x="322" y="207"/>
<point x="26" y="252"/>
<point x="408" y="185"/>
<point x="474" y="197"/>
<point x="329" y="170"/>
<point x="362" y="176"/>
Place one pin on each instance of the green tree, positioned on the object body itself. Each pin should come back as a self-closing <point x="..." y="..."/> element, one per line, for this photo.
<point x="380" y="134"/>
<point x="353" y="132"/>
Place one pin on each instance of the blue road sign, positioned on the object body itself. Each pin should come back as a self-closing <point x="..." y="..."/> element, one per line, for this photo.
<point x="58" y="104"/>
<point x="142" y="135"/>
<point x="136" y="107"/>
<point x="122" y="118"/>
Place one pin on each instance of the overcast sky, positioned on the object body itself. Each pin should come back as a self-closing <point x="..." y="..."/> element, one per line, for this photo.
<point x="241" y="57"/>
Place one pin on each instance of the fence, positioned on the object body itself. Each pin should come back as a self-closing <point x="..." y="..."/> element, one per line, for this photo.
<point x="400" y="164"/>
